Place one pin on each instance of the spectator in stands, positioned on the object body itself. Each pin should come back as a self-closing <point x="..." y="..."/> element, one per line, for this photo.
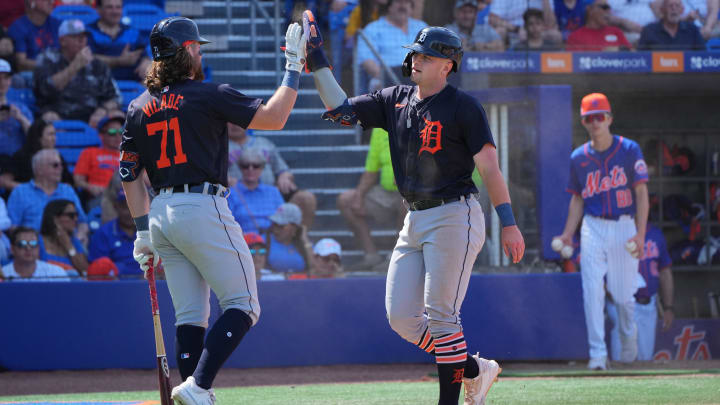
<point x="15" y="117"/>
<point x="371" y="200"/>
<point x="252" y="202"/>
<point x="71" y="82"/>
<point x="120" y="46"/>
<point x="289" y="249"/>
<point x="27" y="201"/>
<point x="7" y="48"/>
<point x="704" y="13"/>
<point x="597" y="34"/>
<point x="631" y="16"/>
<point x="258" y="250"/>
<point x="654" y="268"/>
<point x="59" y="244"/>
<point x="366" y="12"/>
<point x="11" y="10"/>
<point x="34" y="32"/>
<point x="18" y="169"/>
<point x="570" y="15"/>
<point x="534" y="27"/>
<point x="4" y="227"/>
<point x="27" y="266"/>
<point x="115" y="239"/>
<point x="97" y="164"/>
<point x="276" y="171"/>
<point x="475" y="37"/>
<point x="387" y="35"/>
<point x="506" y="17"/>
<point x="671" y="32"/>
<point x="327" y="253"/>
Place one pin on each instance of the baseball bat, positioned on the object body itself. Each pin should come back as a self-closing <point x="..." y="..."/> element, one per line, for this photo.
<point x="162" y="363"/>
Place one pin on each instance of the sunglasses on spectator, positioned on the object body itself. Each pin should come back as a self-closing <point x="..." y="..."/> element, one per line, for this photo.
<point x="71" y="215"/>
<point x="27" y="244"/>
<point x="593" y="117"/>
<point x="255" y="166"/>
<point x="55" y="165"/>
<point x="330" y="258"/>
<point x="114" y="131"/>
<point x="261" y="251"/>
<point x="605" y="7"/>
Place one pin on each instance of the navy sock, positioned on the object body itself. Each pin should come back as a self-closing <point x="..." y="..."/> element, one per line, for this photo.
<point x="471" y="368"/>
<point x="188" y="348"/>
<point x="222" y="339"/>
<point x="450" y="376"/>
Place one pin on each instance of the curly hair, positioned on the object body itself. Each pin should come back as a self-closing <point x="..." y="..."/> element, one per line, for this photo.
<point x="172" y="70"/>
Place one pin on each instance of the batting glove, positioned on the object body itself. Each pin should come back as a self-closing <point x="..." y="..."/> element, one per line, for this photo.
<point x="294" y="48"/>
<point x="144" y="251"/>
<point x="316" y="58"/>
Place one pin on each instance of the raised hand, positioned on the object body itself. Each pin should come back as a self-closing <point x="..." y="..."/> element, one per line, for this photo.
<point x="294" y="48"/>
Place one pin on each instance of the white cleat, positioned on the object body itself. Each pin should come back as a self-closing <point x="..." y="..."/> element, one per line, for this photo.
<point x="598" y="363"/>
<point x="476" y="389"/>
<point x="188" y="393"/>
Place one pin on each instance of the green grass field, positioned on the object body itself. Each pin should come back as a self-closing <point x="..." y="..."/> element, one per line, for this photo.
<point x="614" y="390"/>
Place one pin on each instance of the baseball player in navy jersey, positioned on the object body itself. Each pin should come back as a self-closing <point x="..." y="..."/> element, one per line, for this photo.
<point x="655" y="271"/>
<point x="438" y="135"/>
<point x="608" y="182"/>
<point x="176" y="131"/>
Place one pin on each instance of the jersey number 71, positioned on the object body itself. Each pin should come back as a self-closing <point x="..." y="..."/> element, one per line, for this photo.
<point x="155" y="127"/>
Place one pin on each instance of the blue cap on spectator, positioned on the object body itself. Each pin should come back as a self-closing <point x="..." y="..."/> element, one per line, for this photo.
<point x="106" y="119"/>
<point x="5" y="67"/>
<point x="71" y="27"/>
<point x="461" y="3"/>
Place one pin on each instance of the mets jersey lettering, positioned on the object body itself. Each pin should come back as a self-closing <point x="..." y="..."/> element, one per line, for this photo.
<point x="605" y="179"/>
<point x="656" y="258"/>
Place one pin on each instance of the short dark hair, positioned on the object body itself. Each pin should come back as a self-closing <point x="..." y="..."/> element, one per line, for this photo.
<point x="15" y="234"/>
<point x="530" y="13"/>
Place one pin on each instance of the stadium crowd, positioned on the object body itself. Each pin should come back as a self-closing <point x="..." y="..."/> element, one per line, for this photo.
<point x="65" y="205"/>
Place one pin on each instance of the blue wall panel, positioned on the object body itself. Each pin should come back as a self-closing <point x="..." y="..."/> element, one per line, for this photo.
<point x="91" y="325"/>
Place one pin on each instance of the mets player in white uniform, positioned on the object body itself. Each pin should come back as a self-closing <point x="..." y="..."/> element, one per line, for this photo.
<point x="608" y="182"/>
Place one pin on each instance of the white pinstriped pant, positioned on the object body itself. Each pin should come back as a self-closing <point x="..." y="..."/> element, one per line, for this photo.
<point x="602" y="249"/>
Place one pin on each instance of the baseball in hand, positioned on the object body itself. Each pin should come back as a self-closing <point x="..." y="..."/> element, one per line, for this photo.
<point x="631" y="246"/>
<point x="557" y="244"/>
<point x="566" y="251"/>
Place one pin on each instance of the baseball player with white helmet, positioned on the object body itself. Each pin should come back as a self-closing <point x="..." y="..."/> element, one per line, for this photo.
<point x="438" y="135"/>
<point x="176" y="131"/>
<point x="608" y="182"/>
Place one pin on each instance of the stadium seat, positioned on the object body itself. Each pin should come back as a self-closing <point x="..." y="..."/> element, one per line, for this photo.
<point x="84" y="13"/>
<point x="142" y="16"/>
<point x="159" y="3"/>
<point x="23" y="95"/>
<point x="75" y="134"/>
<point x="713" y="45"/>
<point x="129" y="89"/>
<point x="70" y="155"/>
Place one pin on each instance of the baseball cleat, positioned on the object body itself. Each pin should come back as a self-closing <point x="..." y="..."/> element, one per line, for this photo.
<point x="188" y="393"/>
<point x="476" y="389"/>
<point x="598" y="364"/>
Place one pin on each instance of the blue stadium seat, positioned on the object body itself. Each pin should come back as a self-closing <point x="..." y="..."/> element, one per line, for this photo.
<point x="129" y="89"/>
<point x="143" y="16"/>
<point x="713" y="45"/>
<point x="75" y="134"/>
<point x="23" y="95"/>
<point x="84" y="13"/>
<point x="159" y="3"/>
<point x="70" y="155"/>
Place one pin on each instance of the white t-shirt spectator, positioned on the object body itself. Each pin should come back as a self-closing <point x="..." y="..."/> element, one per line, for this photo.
<point x="388" y="41"/>
<point x="637" y="11"/>
<point x="43" y="272"/>
<point x="512" y="10"/>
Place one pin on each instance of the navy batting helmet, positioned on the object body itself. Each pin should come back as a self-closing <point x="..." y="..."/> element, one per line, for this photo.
<point x="171" y="34"/>
<point x="435" y="41"/>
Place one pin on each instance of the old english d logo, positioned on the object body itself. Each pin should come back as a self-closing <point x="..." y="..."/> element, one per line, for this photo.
<point x="431" y="136"/>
